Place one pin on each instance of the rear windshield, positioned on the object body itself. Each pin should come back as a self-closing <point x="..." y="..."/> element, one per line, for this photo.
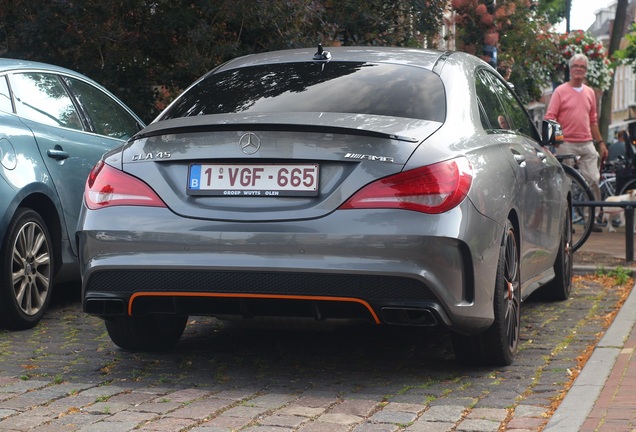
<point x="341" y="87"/>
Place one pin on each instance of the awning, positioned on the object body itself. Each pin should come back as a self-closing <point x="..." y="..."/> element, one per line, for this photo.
<point x="624" y="124"/>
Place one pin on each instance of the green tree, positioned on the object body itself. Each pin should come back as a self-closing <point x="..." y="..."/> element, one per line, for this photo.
<point x="377" y="22"/>
<point x="146" y="52"/>
<point x="192" y="40"/>
<point x="554" y="11"/>
<point x="525" y="50"/>
<point x="104" y="40"/>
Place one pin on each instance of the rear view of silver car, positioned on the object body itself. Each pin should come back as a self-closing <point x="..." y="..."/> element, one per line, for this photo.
<point x="361" y="184"/>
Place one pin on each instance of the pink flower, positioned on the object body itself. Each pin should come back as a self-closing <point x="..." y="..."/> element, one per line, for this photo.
<point x="491" y="38"/>
<point x="458" y="4"/>
<point x="500" y="13"/>
<point x="599" y="73"/>
<point x="487" y="19"/>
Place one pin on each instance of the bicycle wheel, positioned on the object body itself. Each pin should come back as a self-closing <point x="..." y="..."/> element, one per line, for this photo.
<point x="582" y="216"/>
<point x="631" y="184"/>
<point x="607" y="186"/>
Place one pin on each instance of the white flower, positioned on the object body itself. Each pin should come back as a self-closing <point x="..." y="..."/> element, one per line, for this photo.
<point x="599" y="73"/>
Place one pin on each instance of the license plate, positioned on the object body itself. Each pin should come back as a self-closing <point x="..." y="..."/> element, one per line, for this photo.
<point x="253" y="179"/>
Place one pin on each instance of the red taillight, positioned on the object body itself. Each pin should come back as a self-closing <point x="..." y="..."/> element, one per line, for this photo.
<point x="430" y="189"/>
<point x="107" y="186"/>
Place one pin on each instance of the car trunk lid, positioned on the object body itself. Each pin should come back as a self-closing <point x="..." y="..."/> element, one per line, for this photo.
<point x="241" y="167"/>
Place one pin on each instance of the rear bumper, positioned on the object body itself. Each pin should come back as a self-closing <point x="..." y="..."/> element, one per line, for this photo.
<point x="338" y="267"/>
<point x="378" y="299"/>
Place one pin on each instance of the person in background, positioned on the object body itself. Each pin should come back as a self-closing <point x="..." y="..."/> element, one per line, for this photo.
<point x="573" y="105"/>
<point x="503" y="123"/>
<point x="619" y="148"/>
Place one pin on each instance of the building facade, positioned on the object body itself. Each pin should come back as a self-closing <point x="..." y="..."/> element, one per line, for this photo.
<point x="624" y="92"/>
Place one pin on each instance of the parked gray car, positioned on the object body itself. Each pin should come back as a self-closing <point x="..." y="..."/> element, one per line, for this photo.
<point x="386" y="185"/>
<point x="55" y="124"/>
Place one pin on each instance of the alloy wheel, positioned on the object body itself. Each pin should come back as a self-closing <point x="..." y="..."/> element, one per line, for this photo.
<point x="31" y="268"/>
<point x="512" y="301"/>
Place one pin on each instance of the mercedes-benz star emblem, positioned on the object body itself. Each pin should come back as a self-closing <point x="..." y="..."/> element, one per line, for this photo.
<point x="249" y="143"/>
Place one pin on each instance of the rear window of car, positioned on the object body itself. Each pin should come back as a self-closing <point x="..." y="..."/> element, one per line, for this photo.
<point x="344" y="87"/>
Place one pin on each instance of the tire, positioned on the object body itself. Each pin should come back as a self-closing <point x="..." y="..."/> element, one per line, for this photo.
<point x="583" y="215"/>
<point x="560" y="287"/>
<point x="26" y="276"/>
<point x="627" y="186"/>
<point x="608" y="187"/>
<point x="147" y="333"/>
<point x="498" y="345"/>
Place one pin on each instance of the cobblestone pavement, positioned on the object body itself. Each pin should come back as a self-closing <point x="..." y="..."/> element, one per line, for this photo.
<point x="65" y="374"/>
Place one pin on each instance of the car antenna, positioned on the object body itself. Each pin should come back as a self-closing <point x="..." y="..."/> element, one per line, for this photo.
<point x="322" y="54"/>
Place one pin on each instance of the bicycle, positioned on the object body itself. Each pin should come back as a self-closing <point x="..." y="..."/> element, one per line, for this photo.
<point x="607" y="183"/>
<point x="582" y="215"/>
<point x="625" y="177"/>
<point x="631" y="184"/>
<point x="626" y="167"/>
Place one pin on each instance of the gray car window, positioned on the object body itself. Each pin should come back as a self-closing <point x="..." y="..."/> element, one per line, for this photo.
<point x="517" y="114"/>
<point x="342" y="87"/>
<point x="41" y="97"/>
<point x="106" y="116"/>
<point x="493" y="115"/>
<point x="5" y="96"/>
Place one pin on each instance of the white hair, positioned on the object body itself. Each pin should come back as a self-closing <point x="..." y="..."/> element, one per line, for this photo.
<point x="578" y="57"/>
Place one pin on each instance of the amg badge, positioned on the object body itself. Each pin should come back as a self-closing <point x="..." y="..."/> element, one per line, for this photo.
<point x="369" y="157"/>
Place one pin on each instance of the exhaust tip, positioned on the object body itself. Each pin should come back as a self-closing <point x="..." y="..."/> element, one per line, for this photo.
<point x="409" y="316"/>
<point x="105" y="307"/>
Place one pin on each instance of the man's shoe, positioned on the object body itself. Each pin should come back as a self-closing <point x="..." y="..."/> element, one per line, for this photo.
<point x="599" y="221"/>
<point x="597" y="228"/>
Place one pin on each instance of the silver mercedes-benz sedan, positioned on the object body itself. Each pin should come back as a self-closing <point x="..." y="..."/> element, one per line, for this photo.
<point x="388" y="185"/>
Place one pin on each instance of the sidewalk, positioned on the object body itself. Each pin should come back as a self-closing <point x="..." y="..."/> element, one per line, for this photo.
<point x="603" y="396"/>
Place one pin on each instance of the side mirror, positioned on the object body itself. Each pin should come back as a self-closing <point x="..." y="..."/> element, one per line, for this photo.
<point x="551" y="132"/>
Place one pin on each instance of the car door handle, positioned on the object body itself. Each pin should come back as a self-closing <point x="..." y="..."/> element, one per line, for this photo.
<point x="57" y="154"/>
<point x="542" y="156"/>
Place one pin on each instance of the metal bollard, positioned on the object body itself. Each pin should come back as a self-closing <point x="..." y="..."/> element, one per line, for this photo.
<point x="629" y="233"/>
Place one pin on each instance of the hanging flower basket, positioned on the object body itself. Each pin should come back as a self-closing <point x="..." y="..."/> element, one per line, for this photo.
<point x="599" y="72"/>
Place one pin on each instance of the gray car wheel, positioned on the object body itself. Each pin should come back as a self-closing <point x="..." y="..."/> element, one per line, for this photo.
<point x="147" y="333"/>
<point x="26" y="282"/>
<point x="498" y="345"/>
<point x="559" y="288"/>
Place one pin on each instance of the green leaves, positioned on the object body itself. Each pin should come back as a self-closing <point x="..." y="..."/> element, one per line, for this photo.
<point x="525" y="49"/>
<point x="627" y="55"/>
<point x="147" y="52"/>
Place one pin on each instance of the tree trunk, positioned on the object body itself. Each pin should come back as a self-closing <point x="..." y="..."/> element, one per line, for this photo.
<point x="615" y="39"/>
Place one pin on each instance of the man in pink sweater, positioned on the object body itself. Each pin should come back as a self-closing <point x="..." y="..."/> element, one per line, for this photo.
<point x="573" y="105"/>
